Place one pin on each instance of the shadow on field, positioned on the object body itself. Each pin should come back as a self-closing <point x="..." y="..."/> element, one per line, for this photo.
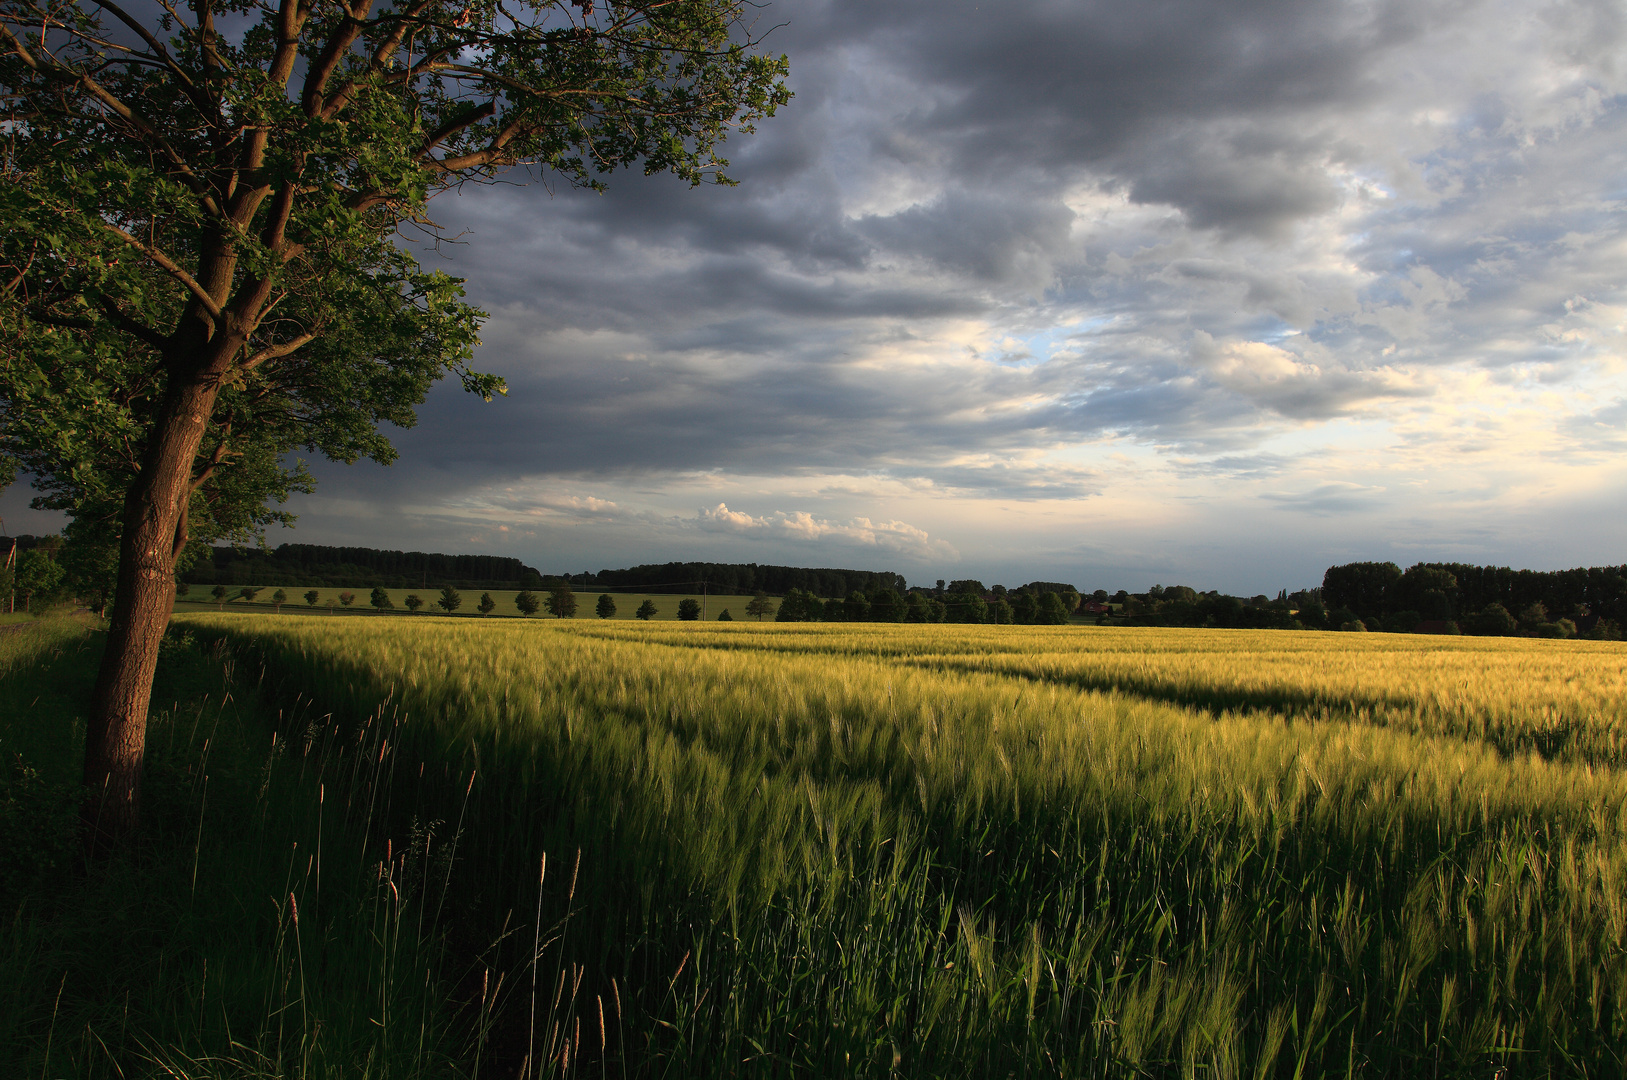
<point x="625" y="891"/>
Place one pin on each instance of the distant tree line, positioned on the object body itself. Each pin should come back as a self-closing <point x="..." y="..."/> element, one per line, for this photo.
<point x="1447" y="598"/>
<point x="1463" y="598"/>
<point x="740" y="579"/>
<point x="957" y="602"/>
<point x="359" y="567"/>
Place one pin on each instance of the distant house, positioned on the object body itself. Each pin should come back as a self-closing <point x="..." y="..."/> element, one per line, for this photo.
<point x="1093" y="607"/>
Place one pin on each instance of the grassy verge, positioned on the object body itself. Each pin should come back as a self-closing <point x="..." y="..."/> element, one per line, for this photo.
<point x="250" y="933"/>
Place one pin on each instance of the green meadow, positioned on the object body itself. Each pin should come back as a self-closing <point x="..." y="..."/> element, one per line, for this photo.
<point x="456" y="847"/>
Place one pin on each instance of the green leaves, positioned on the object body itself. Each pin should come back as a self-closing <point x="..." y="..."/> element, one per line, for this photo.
<point x="215" y="209"/>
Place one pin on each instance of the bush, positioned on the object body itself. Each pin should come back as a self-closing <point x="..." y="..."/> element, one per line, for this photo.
<point x="724" y="616"/>
<point x="1493" y="619"/>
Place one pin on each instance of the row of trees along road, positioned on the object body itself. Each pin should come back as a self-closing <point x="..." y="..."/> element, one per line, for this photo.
<point x="199" y="268"/>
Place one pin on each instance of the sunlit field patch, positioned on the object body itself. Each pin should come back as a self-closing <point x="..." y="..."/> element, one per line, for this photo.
<point x="942" y="850"/>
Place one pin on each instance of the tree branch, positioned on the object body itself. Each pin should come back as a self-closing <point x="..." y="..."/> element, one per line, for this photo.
<point x="328" y="61"/>
<point x="275" y="352"/>
<point x="291" y="17"/>
<point x="159" y="52"/>
<point x="199" y="293"/>
<point x="54" y="69"/>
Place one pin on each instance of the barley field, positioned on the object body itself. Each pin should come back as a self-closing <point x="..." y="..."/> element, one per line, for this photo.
<point x="895" y="850"/>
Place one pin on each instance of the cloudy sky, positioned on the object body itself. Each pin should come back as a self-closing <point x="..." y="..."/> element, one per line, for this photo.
<point x="1216" y="293"/>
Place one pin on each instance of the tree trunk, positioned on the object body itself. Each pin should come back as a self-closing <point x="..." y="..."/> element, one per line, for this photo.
<point x="116" y="733"/>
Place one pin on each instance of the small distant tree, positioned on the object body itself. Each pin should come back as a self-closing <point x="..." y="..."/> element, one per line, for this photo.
<point x="1494" y="620"/>
<point x="450" y="601"/>
<point x="182" y="588"/>
<point x="37" y="575"/>
<point x="561" y="603"/>
<point x="793" y="608"/>
<point x="347" y="598"/>
<point x="487" y="605"/>
<point x="312" y="597"/>
<point x="606" y="607"/>
<point x="220" y="593"/>
<point x="279" y="598"/>
<point x="724" y="616"/>
<point x="759" y="605"/>
<point x="689" y="609"/>
<point x="646" y="610"/>
<point x="381" y="599"/>
<point x="248" y="592"/>
<point x="1051" y="610"/>
<point x="528" y="602"/>
<point x="413" y="601"/>
<point x="966" y="608"/>
<point x="886" y="606"/>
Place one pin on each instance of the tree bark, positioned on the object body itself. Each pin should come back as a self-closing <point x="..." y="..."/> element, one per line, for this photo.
<point x="154" y="513"/>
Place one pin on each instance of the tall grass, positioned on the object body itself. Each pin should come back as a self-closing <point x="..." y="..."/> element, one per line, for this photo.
<point x="929" y="851"/>
<point x="248" y="934"/>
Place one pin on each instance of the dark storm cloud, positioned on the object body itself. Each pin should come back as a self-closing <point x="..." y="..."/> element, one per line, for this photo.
<point x="984" y="237"/>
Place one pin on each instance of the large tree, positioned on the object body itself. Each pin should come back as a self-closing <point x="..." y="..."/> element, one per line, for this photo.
<point x="199" y="259"/>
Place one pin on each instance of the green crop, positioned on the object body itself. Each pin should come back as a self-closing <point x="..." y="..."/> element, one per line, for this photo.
<point x="964" y="851"/>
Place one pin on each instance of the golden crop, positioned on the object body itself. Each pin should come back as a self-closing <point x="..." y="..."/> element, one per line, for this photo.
<point x="1243" y="851"/>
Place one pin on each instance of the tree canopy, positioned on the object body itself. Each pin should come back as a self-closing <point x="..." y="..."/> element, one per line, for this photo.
<point x="199" y="259"/>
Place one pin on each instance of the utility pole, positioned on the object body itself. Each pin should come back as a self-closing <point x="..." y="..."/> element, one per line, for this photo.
<point x="703" y="601"/>
<point x="11" y="564"/>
